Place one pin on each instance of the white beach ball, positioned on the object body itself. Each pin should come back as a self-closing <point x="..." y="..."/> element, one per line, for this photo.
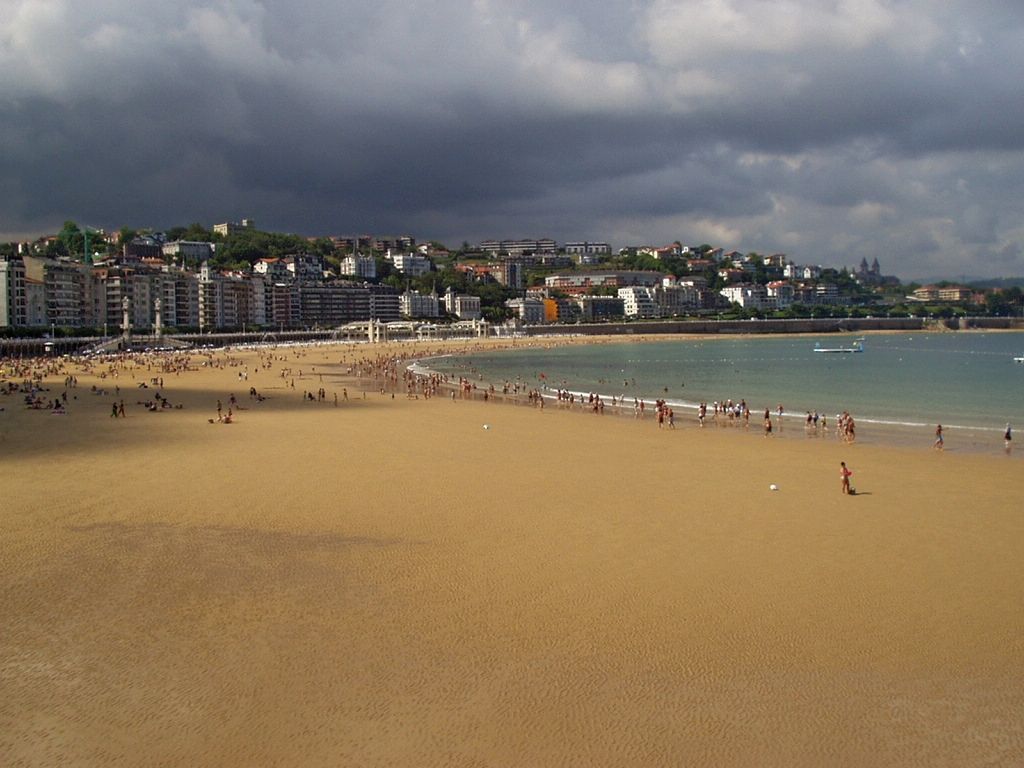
<point x="773" y="487"/>
<point x="487" y="426"/>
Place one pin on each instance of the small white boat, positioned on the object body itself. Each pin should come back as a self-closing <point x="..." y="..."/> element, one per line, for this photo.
<point x="857" y="346"/>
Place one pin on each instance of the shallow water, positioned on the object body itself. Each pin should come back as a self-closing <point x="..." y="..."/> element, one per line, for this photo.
<point x="898" y="389"/>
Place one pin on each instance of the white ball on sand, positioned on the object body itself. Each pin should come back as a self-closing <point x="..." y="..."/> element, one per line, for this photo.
<point x="487" y="426"/>
<point x="773" y="487"/>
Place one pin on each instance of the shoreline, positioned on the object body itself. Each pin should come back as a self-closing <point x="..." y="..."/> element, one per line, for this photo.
<point x="884" y="432"/>
<point x="385" y="581"/>
<point x="907" y="434"/>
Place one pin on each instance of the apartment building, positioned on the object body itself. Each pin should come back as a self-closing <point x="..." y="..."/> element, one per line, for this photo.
<point x="747" y="295"/>
<point x="584" y="282"/>
<point x="528" y="310"/>
<point x="12" y="292"/>
<point x="57" y="292"/>
<point x="416" y="304"/>
<point x="676" y="299"/>
<point x="411" y="264"/>
<point x="182" y="251"/>
<point x="596" y="308"/>
<point x="359" y="267"/>
<point x="779" y="294"/>
<point x="519" y="247"/>
<point x="233" y="227"/>
<point x="462" y="306"/>
<point x="639" y="302"/>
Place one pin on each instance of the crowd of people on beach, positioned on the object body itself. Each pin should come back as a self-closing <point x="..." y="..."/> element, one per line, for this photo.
<point x="389" y="372"/>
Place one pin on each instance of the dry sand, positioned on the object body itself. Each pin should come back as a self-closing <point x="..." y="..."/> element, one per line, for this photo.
<point x="386" y="583"/>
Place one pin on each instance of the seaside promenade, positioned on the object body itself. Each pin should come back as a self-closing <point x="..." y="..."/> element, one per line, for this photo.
<point x="382" y="581"/>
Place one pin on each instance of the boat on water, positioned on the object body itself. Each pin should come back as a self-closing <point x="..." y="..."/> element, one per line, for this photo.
<point x="857" y="346"/>
<point x="1019" y="359"/>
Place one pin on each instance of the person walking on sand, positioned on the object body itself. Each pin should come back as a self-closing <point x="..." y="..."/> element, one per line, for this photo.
<point x="1007" y="437"/>
<point x="844" y="475"/>
<point x="938" y="444"/>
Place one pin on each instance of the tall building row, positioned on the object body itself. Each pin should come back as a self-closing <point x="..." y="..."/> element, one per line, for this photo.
<point x="43" y="292"/>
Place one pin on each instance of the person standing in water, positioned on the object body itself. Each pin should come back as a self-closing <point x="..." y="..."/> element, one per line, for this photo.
<point x="938" y="444"/>
<point x="1007" y="437"/>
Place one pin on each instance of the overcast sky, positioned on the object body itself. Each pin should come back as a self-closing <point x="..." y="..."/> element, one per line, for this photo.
<point x="829" y="130"/>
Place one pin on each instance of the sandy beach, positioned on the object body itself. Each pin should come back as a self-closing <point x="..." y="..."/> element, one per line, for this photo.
<point x="384" y="582"/>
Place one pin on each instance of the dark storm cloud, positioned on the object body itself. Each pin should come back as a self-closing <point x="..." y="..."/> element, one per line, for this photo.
<point x="830" y="131"/>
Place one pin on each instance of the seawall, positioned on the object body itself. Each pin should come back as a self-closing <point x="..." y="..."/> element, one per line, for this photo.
<point x="818" y="325"/>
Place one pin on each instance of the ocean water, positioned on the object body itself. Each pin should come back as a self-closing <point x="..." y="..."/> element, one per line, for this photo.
<point x="897" y="390"/>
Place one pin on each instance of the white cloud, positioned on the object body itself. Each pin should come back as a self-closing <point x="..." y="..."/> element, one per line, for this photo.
<point x="681" y="31"/>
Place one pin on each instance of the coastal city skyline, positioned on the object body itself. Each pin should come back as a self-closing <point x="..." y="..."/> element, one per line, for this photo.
<point x="106" y="239"/>
<point x="866" y="130"/>
<point x="235" y="276"/>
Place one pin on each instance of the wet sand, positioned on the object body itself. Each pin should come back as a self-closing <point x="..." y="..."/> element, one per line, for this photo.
<point x="386" y="583"/>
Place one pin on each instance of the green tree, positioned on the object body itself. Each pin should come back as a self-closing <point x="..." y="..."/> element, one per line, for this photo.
<point x="323" y="246"/>
<point x="72" y="238"/>
<point x="198" y="233"/>
<point x="996" y="304"/>
<point x="495" y="314"/>
<point x="56" y="248"/>
<point x="760" y="272"/>
<point x="248" y="246"/>
<point x="125" y="235"/>
<point x="1015" y="299"/>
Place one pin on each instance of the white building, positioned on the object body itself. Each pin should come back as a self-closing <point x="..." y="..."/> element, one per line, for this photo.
<point x="411" y="264"/>
<point x="462" y="306"/>
<point x="578" y="282"/>
<point x="747" y="295"/>
<point x="467" y="307"/>
<point x="638" y="301"/>
<point x="586" y="252"/>
<point x="519" y="247"/>
<point x="529" y="310"/>
<point x="272" y="268"/>
<point x="363" y="267"/>
<point x="306" y="266"/>
<point x="797" y="272"/>
<point x="416" y="304"/>
<point x="780" y="294"/>
<point x="191" y="250"/>
<point x="231" y="300"/>
<point x="232" y="227"/>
